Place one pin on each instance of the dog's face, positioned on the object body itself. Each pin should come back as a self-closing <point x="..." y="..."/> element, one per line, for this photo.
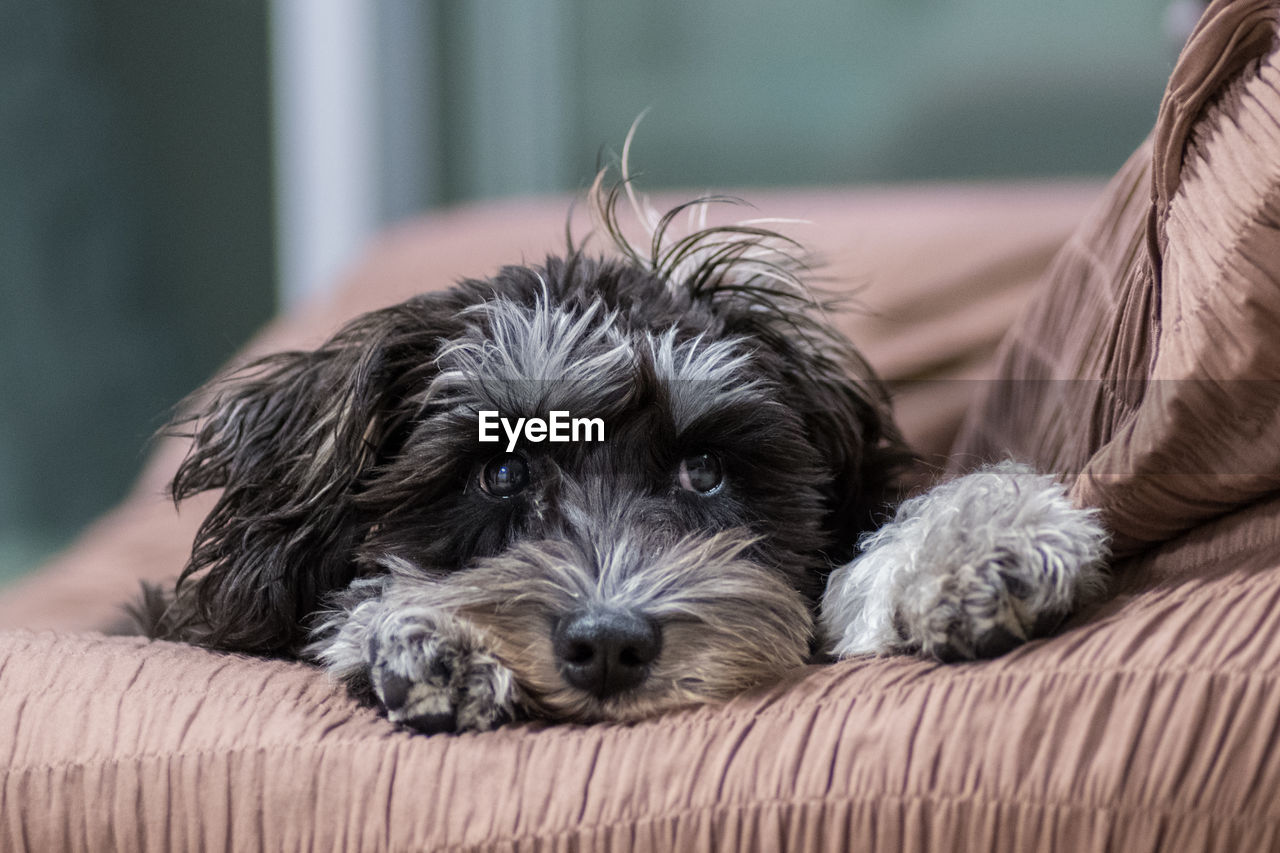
<point x="719" y="450"/>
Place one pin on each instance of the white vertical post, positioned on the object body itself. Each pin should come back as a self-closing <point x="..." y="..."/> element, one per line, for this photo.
<point x="409" y="107"/>
<point x="324" y="80"/>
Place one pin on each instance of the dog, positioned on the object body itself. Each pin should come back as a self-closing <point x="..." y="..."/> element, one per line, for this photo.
<point x="396" y="508"/>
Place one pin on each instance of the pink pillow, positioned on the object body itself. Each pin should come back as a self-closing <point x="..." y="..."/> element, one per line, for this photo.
<point x="1148" y="366"/>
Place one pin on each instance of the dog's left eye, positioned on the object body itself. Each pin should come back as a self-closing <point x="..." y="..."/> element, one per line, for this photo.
<point x="505" y="475"/>
<point x="701" y="473"/>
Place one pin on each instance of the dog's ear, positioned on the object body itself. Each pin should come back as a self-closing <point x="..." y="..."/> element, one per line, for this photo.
<point x="289" y="439"/>
<point x="849" y="419"/>
<point x="845" y="409"/>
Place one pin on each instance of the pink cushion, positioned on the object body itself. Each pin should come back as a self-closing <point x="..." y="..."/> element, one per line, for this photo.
<point x="1148" y="365"/>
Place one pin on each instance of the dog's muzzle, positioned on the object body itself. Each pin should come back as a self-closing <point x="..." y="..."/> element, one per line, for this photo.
<point x="605" y="651"/>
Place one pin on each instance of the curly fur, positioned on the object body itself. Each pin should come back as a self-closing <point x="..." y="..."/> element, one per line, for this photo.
<point x="356" y="526"/>
<point x="968" y="569"/>
<point x="353" y="527"/>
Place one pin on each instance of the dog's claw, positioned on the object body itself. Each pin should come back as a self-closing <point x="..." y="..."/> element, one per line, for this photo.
<point x="432" y="724"/>
<point x="393" y="690"/>
<point x="996" y="642"/>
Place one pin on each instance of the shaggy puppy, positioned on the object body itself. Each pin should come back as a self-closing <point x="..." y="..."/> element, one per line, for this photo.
<point x="396" y="505"/>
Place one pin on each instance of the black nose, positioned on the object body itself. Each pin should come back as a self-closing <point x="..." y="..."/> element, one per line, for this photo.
<point x="605" y="652"/>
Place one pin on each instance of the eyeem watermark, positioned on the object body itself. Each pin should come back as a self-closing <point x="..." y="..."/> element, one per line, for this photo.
<point x="558" y="427"/>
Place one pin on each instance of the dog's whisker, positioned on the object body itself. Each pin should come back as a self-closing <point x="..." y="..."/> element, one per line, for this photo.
<point x="368" y="522"/>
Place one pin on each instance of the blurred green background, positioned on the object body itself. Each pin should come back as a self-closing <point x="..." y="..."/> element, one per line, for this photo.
<point x="138" y="214"/>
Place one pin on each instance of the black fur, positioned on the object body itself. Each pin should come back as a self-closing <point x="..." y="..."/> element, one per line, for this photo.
<point x="338" y="462"/>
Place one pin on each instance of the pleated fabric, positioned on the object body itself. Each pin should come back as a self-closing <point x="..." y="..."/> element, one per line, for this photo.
<point x="1151" y="723"/>
<point x="1148" y="366"/>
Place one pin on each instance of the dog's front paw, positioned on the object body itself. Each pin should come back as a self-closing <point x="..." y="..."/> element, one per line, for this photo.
<point x="978" y="609"/>
<point x="970" y="569"/>
<point x="435" y="676"/>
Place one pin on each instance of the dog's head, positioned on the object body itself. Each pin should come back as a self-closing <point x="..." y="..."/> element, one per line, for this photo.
<point x="674" y="558"/>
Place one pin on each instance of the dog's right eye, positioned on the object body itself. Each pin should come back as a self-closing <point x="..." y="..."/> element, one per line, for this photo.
<point x="701" y="473"/>
<point x="505" y="475"/>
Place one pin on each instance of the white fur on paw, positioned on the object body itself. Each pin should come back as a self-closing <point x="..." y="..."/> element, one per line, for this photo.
<point x="438" y="678"/>
<point x="969" y="569"/>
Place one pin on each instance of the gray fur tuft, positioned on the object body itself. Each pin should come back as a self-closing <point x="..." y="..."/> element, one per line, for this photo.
<point x="971" y="567"/>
